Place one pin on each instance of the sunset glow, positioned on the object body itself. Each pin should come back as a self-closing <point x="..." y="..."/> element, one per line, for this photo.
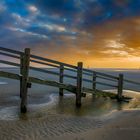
<point x="101" y="33"/>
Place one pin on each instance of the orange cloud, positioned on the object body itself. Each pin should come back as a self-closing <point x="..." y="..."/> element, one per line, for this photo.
<point x="115" y="43"/>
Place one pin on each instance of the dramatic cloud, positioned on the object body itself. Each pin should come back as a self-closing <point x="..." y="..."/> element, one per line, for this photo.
<point x="102" y="33"/>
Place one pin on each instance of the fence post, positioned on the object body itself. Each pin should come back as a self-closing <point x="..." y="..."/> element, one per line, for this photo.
<point x="61" y="79"/>
<point x="94" y="82"/>
<point x="79" y="84"/>
<point x="120" y="86"/>
<point x="21" y="73"/>
<point x="24" y="81"/>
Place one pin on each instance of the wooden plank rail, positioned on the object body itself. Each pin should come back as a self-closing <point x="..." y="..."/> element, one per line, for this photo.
<point x="37" y="57"/>
<point x="85" y="71"/>
<point x="102" y="74"/>
<point x="74" y="70"/>
<point x="10" y="75"/>
<point x="69" y="76"/>
<point x="132" y="82"/>
<point x="44" y="63"/>
<point x="52" y="61"/>
<point x="106" y="78"/>
<point x="9" y="63"/>
<point x="33" y="68"/>
<point x="68" y="87"/>
<point x="43" y="70"/>
<point x="25" y="58"/>
<point x="10" y="55"/>
<point x="105" y="84"/>
<point x="11" y="50"/>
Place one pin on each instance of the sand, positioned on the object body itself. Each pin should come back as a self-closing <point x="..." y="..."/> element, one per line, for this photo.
<point x="98" y="119"/>
<point x="119" y="125"/>
<point x="126" y="126"/>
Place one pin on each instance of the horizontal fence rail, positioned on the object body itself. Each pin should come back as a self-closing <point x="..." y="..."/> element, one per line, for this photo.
<point x="78" y="74"/>
<point x="105" y="84"/>
<point x="106" y="78"/>
<point x="132" y="82"/>
<point x="44" y="63"/>
<point x="56" y="64"/>
<point x="9" y="63"/>
<point x="102" y="74"/>
<point x="85" y="71"/>
<point x="10" y="55"/>
<point x="53" y="61"/>
<point x="11" y="50"/>
<point x="43" y="70"/>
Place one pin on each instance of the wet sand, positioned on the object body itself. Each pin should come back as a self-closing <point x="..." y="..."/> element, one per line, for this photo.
<point x="98" y="119"/>
<point x="119" y="125"/>
<point x="125" y="126"/>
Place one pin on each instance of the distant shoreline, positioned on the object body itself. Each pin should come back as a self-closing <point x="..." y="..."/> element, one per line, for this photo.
<point x="88" y="68"/>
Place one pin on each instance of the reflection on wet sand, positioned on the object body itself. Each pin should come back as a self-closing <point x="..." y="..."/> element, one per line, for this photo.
<point x="57" y="117"/>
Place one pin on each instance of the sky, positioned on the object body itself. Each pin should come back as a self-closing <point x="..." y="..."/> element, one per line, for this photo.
<point x="100" y="33"/>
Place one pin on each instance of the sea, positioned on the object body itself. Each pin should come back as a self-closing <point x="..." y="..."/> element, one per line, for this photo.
<point x="42" y="96"/>
<point x="130" y="74"/>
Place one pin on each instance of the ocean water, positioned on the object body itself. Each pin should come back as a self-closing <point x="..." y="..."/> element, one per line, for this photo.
<point x="41" y="95"/>
<point x="132" y="74"/>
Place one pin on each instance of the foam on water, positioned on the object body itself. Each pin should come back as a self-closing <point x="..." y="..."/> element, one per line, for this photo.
<point x="12" y="113"/>
<point x="38" y="106"/>
<point x="132" y="92"/>
<point x="124" y="91"/>
<point x="9" y="113"/>
<point x="3" y="83"/>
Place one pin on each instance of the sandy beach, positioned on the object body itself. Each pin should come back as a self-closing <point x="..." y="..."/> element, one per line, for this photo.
<point x="119" y="125"/>
<point x="126" y="125"/>
<point x="98" y="119"/>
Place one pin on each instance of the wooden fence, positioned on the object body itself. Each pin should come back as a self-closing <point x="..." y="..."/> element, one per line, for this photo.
<point x="26" y="57"/>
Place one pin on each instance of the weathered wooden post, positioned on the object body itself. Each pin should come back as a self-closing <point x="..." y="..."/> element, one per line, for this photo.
<point x="120" y="87"/>
<point x="24" y="80"/>
<point x="61" y="79"/>
<point x="21" y="72"/>
<point x="79" y="84"/>
<point x="94" y="82"/>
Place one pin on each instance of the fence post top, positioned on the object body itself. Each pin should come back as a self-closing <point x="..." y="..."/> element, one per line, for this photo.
<point x="80" y="63"/>
<point x="121" y="74"/>
<point x="61" y="65"/>
<point x="27" y="49"/>
<point x="94" y="73"/>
